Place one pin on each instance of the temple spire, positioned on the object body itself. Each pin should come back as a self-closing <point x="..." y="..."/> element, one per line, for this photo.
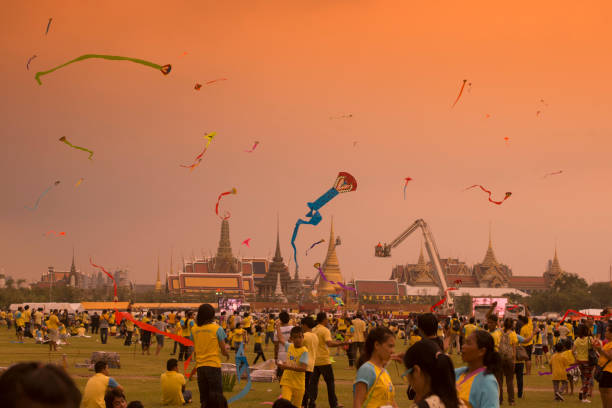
<point x="72" y="266"/>
<point x="158" y="281"/>
<point x="489" y="259"/>
<point x="277" y="253"/>
<point x="331" y="266"/>
<point x="225" y="247"/>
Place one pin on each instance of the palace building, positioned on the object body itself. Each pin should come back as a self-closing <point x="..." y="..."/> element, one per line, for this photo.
<point x="490" y="273"/>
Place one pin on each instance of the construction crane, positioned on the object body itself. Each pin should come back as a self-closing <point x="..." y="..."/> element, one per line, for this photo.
<point x="384" y="251"/>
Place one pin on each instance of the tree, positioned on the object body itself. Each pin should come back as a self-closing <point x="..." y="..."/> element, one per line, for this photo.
<point x="463" y="304"/>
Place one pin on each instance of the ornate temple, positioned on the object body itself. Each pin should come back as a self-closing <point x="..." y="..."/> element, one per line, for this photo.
<point x="331" y="268"/>
<point x="232" y="276"/>
<point x="490" y="273"/>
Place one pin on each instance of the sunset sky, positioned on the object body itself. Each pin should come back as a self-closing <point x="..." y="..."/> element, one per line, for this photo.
<point x="396" y="66"/>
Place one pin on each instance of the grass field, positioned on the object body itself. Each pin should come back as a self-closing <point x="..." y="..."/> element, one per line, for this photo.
<point x="139" y="374"/>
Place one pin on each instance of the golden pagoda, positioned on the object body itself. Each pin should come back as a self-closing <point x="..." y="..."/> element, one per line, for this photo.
<point x="331" y="268"/>
<point x="158" y="285"/>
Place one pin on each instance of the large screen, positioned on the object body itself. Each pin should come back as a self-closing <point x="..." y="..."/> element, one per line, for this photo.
<point x="480" y="306"/>
<point x="229" y="305"/>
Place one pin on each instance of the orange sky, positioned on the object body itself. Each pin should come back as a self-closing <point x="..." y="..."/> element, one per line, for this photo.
<point x="395" y="65"/>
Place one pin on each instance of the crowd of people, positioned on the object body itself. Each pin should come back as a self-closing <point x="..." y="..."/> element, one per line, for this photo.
<point x="573" y="353"/>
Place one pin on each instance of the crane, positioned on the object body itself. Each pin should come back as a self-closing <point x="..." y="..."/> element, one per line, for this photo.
<point x="384" y="251"/>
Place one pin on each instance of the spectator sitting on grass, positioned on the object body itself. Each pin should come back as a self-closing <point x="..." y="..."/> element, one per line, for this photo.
<point x="95" y="389"/>
<point x="173" y="385"/>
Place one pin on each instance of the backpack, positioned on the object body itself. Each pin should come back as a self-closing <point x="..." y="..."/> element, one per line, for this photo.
<point x="505" y="348"/>
<point x="456" y="325"/>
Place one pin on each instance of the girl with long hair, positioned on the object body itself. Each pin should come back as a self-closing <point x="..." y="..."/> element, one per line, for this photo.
<point x="431" y="375"/>
<point x="476" y="383"/>
<point x="581" y="353"/>
<point x="209" y="343"/>
<point x="373" y="386"/>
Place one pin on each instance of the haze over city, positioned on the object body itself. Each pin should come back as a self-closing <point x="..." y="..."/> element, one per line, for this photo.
<point x="539" y="79"/>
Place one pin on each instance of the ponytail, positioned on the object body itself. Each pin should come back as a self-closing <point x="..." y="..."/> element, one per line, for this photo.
<point x="491" y="360"/>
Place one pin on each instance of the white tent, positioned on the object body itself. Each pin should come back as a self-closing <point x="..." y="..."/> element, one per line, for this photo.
<point x="71" y="307"/>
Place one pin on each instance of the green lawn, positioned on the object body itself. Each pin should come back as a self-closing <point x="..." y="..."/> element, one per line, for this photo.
<point x="139" y="374"/>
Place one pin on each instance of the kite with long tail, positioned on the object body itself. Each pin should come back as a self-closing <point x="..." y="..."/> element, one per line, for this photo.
<point x="460" y="93"/>
<point x="215" y="80"/>
<point x="508" y="194"/>
<point x="78" y="183"/>
<point x="554" y="173"/>
<point x="247" y="242"/>
<point x="406" y="185"/>
<point x="227" y="214"/>
<point x="30" y="60"/>
<point x="165" y="69"/>
<point x="198" y="158"/>
<point x="342" y="285"/>
<point x="63" y="139"/>
<point x="57" y="234"/>
<point x="242" y="366"/>
<point x="344" y="183"/>
<point x="314" y="245"/>
<point x="42" y="195"/>
<point x="126" y="315"/>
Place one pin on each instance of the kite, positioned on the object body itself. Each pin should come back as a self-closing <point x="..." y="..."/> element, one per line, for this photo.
<point x="582" y="315"/>
<point x="538" y="113"/>
<point x="42" y="195"/>
<point x="164" y="69"/>
<point x="315" y="244"/>
<point x="197" y="86"/>
<point x="508" y="194"/>
<point x="512" y="307"/>
<point x="242" y="365"/>
<point x="184" y="53"/>
<point x="342" y="285"/>
<point x="78" y="183"/>
<point x="553" y="173"/>
<point x="30" y="60"/>
<point x="350" y="115"/>
<point x="355" y="144"/>
<point x="57" y="234"/>
<point x="247" y="242"/>
<point x="460" y="92"/>
<point x="48" y="25"/>
<point x="253" y="148"/>
<point x="506" y="139"/>
<point x="227" y="214"/>
<point x="406" y="185"/>
<point x="344" y="183"/>
<point x="487" y="116"/>
<point x="63" y="139"/>
<point x="337" y="298"/>
<point x="433" y="307"/>
<point x="215" y="80"/>
<point x="198" y="159"/>
<point x="544" y="102"/>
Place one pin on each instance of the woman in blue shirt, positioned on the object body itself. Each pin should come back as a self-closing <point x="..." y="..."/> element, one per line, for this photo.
<point x="476" y="383"/>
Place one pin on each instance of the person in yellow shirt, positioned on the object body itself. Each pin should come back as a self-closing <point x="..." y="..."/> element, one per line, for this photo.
<point x="527" y="332"/>
<point x="258" y="346"/>
<point x="559" y="365"/>
<point x="19" y="324"/>
<point x="209" y="343"/>
<point x="605" y="363"/>
<point x="311" y="342"/>
<point x="240" y="336"/>
<point x="53" y="326"/>
<point x="373" y="387"/>
<point x="580" y="351"/>
<point x="185" y="332"/>
<point x="129" y="330"/>
<point x="469" y="328"/>
<point x="27" y="318"/>
<point x="270" y="329"/>
<point x="247" y="322"/>
<point x="173" y="386"/>
<point x="415" y="337"/>
<point x="569" y="356"/>
<point x="93" y="395"/>
<point x="359" y="336"/>
<point x="293" y="380"/>
<point x="507" y="350"/>
<point x="323" y="363"/>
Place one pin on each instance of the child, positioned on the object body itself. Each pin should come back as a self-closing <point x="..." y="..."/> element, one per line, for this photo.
<point x="293" y="380"/>
<point x="258" y="347"/>
<point x="559" y="365"/>
<point x="414" y="336"/>
<point x="340" y="338"/>
<point x="538" y="350"/>
<point x="569" y="356"/>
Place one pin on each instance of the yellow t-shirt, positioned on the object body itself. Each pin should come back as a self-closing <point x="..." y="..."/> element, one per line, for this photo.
<point x="19" y="319"/>
<point x="415" y="339"/>
<point x="246" y="322"/>
<point x="582" y="348"/>
<point x="238" y="335"/>
<point x="53" y="322"/>
<point x="603" y="360"/>
<point x="496" y="337"/>
<point x="171" y="385"/>
<point x="559" y="364"/>
<point x="172" y="318"/>
<point x="27" y="316"/>
<point x="381" y="392"/>
<point x="469" y="329"/>
<point x="569" y="356"/>
<point x="341" y="324"/>
<point x="527" y="331"/>
<point x="571" y="329"/>
<point x="129" y="325"/>
<point x="81" y="331"/>
<point x="295" y="357"/>
<point x="270" y="326"/>
<point x="258" y="338"/>
<point x="206" y="340"/>
<point x="324" y="335"/>
<point x="311" y="342"/>
<point x="185" y="329"/>
<point x="93" y="395"/>
<point x="360" y="328"/>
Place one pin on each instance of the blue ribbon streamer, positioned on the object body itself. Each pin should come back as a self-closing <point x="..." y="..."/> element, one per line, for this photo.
<point x="314" y="215"/>
<point x="242" y="365"/>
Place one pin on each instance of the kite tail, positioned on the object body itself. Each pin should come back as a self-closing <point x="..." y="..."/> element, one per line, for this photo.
<point x="315" y="219"/>
<point x="460" y="92"/>
<point x="108" y="57"/>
